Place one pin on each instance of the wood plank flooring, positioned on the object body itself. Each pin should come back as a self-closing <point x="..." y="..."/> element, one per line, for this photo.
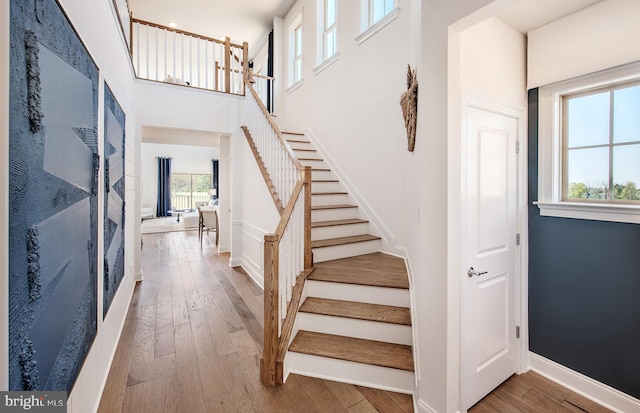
<point x="192" y="341"/>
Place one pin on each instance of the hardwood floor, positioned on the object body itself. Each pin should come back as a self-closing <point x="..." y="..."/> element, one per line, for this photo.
<point x="192" y="341"/>
<point x="533" y="393"/>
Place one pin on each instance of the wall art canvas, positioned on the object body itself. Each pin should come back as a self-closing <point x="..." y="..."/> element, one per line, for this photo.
<point x="53" y="209"/>
<point x="114" y="161"/>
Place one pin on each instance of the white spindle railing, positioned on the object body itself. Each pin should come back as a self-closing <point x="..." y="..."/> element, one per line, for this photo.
<point x="264" y="87"/>
<point x="174" y="56"/>
<point x="124" y="17"/>
<point x="282" y="166"/>
<point x="288" y="250"/>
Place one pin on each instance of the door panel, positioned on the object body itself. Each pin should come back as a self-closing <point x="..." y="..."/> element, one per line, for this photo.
<point x="488" y="295"/>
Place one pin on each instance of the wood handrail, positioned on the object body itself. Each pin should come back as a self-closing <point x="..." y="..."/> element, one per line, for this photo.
<point x="263" y="76"/>
<point x="186" y="33"/>
<point x="273" y="124"/>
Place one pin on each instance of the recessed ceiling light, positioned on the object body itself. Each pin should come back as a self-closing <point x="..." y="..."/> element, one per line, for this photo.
<point x="173" y="24"/>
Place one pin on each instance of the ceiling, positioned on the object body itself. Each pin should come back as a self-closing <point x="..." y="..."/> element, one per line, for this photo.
<point x="251" y="20"/>
<point x="527" y="15"/>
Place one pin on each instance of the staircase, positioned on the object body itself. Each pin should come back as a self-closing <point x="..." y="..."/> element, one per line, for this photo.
<point x="354" y="323"/>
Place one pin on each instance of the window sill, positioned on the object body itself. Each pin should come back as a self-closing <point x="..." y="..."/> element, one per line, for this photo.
<point x="600" y="212"/>
<point x="386" y="20"/>
<point x="322" y="66"/>
<point x="295" y="86"/>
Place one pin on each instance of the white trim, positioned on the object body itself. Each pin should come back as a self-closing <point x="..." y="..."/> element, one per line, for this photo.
<point x="252" y="265"/>
<point x="586" y="386"/>
<point x="423" y="407"/>
<point x="322" y="66"/>
<point x="372" y="30"/>
<point x="295" y="86"/>
<point x="550" y="150"/>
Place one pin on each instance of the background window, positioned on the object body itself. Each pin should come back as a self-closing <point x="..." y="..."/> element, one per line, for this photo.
<point x="329" y="29"/>
<point x="297" y="61"/>
<point x="187" y="189"/>
<point x="378" y="9"/>
<point x="602" y="145"/>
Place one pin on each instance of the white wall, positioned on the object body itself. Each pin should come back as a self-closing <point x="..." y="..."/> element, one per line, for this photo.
<point x="186" y="159"/>
<point x="172" y="106"/>
<point x="253" y="213"/>
<point x="596" y="38"/>
<point x="352" y="109"/>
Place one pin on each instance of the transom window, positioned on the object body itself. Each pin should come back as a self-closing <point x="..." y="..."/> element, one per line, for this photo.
<point x="601" y="136"/>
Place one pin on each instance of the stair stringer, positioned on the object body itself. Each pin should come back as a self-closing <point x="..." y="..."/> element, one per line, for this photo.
<point x="366" y="210"/>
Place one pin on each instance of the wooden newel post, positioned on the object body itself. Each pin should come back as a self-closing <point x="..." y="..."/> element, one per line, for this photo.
<point x="271" y="317"/>
<point x="227" y="65"/>
<point x="308" y="256"/>
<point x="131" y="35"/>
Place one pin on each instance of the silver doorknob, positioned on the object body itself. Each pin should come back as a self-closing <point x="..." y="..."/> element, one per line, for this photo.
<point x="471" y="272"/>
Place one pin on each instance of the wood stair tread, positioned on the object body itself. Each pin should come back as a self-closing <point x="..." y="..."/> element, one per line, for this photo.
<point x="329" y="193"/>
<point x="339" y="206"/>
<point x="293" y="133"/>
<point x="377" y="269"/>
<point x="357" y="310"/>
<point x="320" y="224"/>
<point x="332" y="242"/>
<point x="377" y="353"/>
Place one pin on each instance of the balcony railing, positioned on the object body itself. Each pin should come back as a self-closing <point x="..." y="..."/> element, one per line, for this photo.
<point x="187" y="201"/>
<point x="170" y="55"/>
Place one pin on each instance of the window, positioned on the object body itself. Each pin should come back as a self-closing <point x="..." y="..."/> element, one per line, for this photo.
<point x="295" y="51"/>
<point x="589" y="147"/>
<point x="329" y="33"/>
<point x="601" y="131"/>
<point x="378" y="9"/>
<point x="187" y="189"/>
<point x="297" y="54"/>
<point x="374" y="16"/>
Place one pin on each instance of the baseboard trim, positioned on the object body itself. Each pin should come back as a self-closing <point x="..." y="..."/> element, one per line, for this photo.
<point x="586" y="386"/>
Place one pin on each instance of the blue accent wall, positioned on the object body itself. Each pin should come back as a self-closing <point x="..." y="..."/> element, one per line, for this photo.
<point x="584" y="288"/>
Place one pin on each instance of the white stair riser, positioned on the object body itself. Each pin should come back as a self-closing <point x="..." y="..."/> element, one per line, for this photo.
<point x="345" y="251"/>
<point x="322" y="175"/>
<point x="314" y="164"/>
<point x="332" y="199"/>
<point x="318" y="215"/>
<point x="398" y="297"/>
<point x="300" y="145"/>
<point x="351" y="327"/>
<point x="326" y="187"/>
<point x="339" y="231"/>
<point x="384" y="378"/>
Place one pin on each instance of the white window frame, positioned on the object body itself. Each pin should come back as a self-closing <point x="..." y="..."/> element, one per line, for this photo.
<point x="295" y="56"/>
<point x="551" y="150"/>
<point x="368" y="27"/>
<point x="323" y="58"/>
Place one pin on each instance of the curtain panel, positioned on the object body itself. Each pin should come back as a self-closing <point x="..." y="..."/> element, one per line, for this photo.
<point x="164" y="187"/>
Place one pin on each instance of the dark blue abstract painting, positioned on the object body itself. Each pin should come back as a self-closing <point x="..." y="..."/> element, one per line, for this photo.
<point x="53" y="208"/>
<point x="114" y="161"/>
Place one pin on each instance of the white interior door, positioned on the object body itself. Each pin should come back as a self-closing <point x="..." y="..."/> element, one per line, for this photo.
<point x="488" y="285"/>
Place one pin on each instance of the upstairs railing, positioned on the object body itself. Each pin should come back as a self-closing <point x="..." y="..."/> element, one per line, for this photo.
<point x="264" y="87"/>
<point x="170" y="55"/>
<point x="287" y="252"/>
<point x="124" y="18"/>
